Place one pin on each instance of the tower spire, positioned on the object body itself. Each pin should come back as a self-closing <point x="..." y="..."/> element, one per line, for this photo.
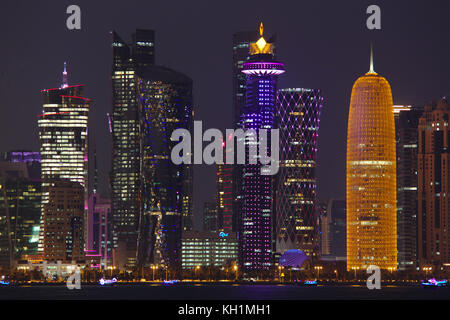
<point x="65" y="83"/>
<point x="371" y="70"/>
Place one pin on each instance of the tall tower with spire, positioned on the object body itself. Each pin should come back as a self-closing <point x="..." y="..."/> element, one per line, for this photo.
<point x="256" y="216"/>
<point x="65" y="82"/>
<point x="371" y="175"/>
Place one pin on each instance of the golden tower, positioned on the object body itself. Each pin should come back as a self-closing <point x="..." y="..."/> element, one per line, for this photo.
<point x="371" y="175"/>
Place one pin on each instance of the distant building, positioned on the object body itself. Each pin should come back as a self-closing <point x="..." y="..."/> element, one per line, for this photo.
<point x="210" y="216"/>
<point x="334" y="230"/>
<point x="406" y="132"/>
<point x="20" y="213"/>
<point x="63" y="222"/>
<point x="63" y="136"/>
<point x="208" y="249"/>
<point x="434" y="185"/>
<point x="100" y="229"/>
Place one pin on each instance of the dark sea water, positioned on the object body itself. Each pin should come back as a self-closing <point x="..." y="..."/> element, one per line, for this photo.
<point x="221" y="292"/>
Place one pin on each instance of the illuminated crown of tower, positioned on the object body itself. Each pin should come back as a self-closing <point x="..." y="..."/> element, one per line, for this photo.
<point x="261" y="46"/>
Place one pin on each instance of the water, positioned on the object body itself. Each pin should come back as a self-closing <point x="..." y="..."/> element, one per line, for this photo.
<point x="221" y="292"/>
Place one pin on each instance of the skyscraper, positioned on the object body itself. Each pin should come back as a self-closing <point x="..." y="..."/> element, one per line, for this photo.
<point x="255" y="221"/>
<point x="298" y="113"/>
<point x="406" y="126"/>
<point x="434" y="185"/>
<point x="124" y="125"/>
<point x="210" y="216"/>
<point x="241" y="54"/>
<point x="225" y="197"/>
<point x="334" y="231"/>
<point x="371" y="175"/>
<point x="165" y="105"/>
<point x="63" y="131"/>
<point x="20" y="212"/>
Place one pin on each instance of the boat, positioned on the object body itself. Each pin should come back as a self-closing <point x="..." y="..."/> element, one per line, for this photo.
<point x="170" y="281"/>
<point x="310" y="283"/>
<point x="107" y="282"/>
<point x="433" y="283"/>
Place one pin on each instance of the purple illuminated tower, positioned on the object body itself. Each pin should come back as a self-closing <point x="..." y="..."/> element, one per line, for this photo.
<point x="255" y="225"/>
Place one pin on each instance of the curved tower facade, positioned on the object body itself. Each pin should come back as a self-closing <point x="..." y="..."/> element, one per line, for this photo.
<point x="298" y="112"/>
<point x="371" y="175"/>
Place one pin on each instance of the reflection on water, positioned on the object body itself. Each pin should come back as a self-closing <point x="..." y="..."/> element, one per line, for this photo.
<point x="222" y="292"/>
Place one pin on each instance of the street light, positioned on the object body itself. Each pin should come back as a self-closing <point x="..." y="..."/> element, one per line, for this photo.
<point x="235" y="268"/>
<point x="196" y="268"/>
<point x="318" y="268"/>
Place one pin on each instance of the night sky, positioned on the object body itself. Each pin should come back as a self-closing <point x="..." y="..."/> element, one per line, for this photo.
<point x="324" y="44"/>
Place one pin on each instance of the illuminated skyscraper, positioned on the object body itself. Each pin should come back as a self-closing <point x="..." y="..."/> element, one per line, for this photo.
<point x="124" y="126"/>
<point x="166" y="188"/>
<point x="406" y="126"/>
<point x="255" y="221"/>
<point x="434" y="186"/>
<point x="241" y="46"/>
<point x="20" y="212"/>
<point x="298" y="113"/>
<point x="371" y="175"/>
<point x="63" y="131"/>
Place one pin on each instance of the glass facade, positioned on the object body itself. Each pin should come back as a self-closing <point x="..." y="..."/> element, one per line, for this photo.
<point x="208" y="249"/>
<point x="166" y="189"/>
<point x="298" y="113"/>
<point x="20" y="213"/>
<point x="124" y="126"/>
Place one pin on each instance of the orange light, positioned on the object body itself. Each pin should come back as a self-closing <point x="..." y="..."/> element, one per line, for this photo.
<point x="371" y="176"/>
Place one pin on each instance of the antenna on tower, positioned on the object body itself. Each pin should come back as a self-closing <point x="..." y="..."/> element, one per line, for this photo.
<point x="371" y="59"/>
<point x="65" y="83"/>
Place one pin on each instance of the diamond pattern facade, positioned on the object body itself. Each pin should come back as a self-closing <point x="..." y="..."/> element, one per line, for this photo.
<point x="296" y="225"/>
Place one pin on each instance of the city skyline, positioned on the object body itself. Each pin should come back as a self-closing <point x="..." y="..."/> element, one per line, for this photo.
<point x="313" y="67"/>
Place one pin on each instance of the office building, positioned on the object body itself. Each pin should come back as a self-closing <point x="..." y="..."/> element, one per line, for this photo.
<point x="434" y="186"/>
<point x="297" y="221"/>
<point x="406" y="132"/>
<point x="371" y="175"/>
<point x="208" y="249"/>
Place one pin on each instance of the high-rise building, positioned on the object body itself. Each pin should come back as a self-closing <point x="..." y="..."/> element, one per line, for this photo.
<point x="334" y="230"/>
<point x="210" y="220"/>
<point x="63" y="132"/>
<point x="124" y="126"/>
<point x="241" y="54"/>
<point x="298" y="112"/>
<point x="256" y="190"/>
<point x="100" y="229"/>
<point x="166" y="188"/>
<point x="371" y="175"/>
<point x="406" y="126"/>
<point x="225" y="197"/>
<point x="434" y="185"/>
<point x="208" y="249"/>
<point x="20" y="212"/>
<point x="63" y="221"/>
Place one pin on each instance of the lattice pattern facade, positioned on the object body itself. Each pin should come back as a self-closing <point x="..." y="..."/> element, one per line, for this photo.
<point x="371" y="176"/>
<point x="298" y="113"/>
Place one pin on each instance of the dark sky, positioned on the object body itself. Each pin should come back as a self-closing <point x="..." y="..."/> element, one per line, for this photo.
<point x="325" y="44"/>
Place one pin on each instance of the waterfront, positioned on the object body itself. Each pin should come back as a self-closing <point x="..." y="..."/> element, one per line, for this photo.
<point x="222" y="292"/>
